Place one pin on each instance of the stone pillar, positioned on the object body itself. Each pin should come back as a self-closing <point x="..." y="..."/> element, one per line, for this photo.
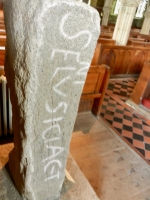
<point x="106" y="11"/>
<point x="146" y="24"/>
<point x="124" y="21"/>
<point x="50" y="44"/>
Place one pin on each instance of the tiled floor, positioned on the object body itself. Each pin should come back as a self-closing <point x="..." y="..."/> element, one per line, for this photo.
<point x="106" y="151"/>
<point x="126" y="122"/>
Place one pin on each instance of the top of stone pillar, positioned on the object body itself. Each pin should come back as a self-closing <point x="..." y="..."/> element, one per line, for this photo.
<point x="108" y="3"/>
<point x="131" y="3"/>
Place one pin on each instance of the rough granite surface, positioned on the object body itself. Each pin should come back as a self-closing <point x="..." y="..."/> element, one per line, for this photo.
<point x="81" y="190"/>
<point x="50" y="44"/>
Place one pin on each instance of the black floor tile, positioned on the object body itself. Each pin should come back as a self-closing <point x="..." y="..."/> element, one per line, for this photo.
<point x="119" y="111"/>
<point x="138" y="137"/>
<point x="127" y="118"/>
<point x="137" y="125"/>
<point x="129" y="140"/>
<point x="147" y="147"/>
<point x="127" y="128"/>
<point x="109" y="112"/>
<point x="142" y="151"/>
<point x="146" y="133"/>
<point x="116" y="119"/>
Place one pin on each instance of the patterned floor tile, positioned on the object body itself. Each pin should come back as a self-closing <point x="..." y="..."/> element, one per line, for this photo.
<point x="126" y="122"/>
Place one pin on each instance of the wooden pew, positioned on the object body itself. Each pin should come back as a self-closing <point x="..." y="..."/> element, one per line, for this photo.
<point x="2" y="53"/>
<point x="136" y="39"/>
<point x="2" y="43"/>
<point x="106" y="41"/>
<point x="123" y="60"/>
<point x="96" y="55"/>
<point x="2" y="59"/>
<point x="139" y="43"/>
<point x="94" y="89"/>
<point x="134" y="33"/>
<point x="95" y="85"/>
<point x="107" y="28"/>
<point x="106" y="35"/>
<point x="146" y="37"/>
<point x="2" y="32"/>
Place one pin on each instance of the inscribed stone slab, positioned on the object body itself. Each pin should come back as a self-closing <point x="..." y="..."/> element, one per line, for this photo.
<point x="50" y="44"/>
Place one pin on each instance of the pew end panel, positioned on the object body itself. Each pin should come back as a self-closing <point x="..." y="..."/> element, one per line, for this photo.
<point x="96" y="54"/>
<point x="2" y="60"/>
<point x="101" y="88"/>
<point x="94" y="89"/>
<point x="142" y="88"/>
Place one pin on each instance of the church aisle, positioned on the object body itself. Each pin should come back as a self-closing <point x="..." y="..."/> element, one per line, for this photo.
<point x="129" y="124"/>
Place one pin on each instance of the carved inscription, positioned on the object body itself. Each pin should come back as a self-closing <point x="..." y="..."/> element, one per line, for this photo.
<point x="52" y="164"/>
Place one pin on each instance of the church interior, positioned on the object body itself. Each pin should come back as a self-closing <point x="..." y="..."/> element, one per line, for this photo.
<point x="111" y="137"/>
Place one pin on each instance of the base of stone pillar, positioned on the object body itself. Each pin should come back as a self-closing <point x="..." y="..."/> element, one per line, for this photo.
<point x="81" y="190"/>
<point x="8" y="190"/>
<point x="68" y="183"/>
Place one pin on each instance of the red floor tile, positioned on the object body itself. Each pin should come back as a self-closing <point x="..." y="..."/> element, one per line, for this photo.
<point x="110" y="108"/>
<point x="146" y="128"/>
<point x="127" y="134"/>
<point x="147" y="139"/>
<point x="117" y="125"/>
<point x="137" y="120"/>
<point x="119" y="115"/>
<point x="127" y="122"/>
<point x="109" y="117"/>
<point x="119" y="107"/>
<point x="137" y="131"/>
<point x="112" y="101"/>
<point x="147" y="154"/>
<point x="116" y="90"/>
<point x="138" y="144"/>
<point x="128" y="113"/>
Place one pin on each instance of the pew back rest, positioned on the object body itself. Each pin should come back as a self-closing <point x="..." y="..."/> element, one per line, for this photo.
<point x="123" y="60"/>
